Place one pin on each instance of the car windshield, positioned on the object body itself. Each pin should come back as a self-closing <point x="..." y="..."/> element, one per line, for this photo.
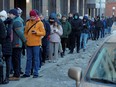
<point x="103" y="69"/>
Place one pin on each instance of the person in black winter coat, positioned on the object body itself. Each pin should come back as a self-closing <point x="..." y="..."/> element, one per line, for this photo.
<point x="109" y="24"/>
<point x="2" y="37"/>
<point x="6" y="43"/>
<point x="98" y="27"/>
<point x="76" y="32"/>
<point x="45" y="39"/>
<point x="7" y="48"/>
<point x="70" y="18"/>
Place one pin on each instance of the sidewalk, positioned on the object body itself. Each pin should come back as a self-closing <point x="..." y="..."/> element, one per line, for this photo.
<point x="55" y="74"/>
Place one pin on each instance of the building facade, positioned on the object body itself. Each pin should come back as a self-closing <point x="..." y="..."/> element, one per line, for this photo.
<point x="48" y="6"/>
<point x="110" y="8"/>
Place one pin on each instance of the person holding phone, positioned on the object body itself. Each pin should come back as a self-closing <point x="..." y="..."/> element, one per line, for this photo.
<point x="34" y="31"/>
<point x="56" y="32"/>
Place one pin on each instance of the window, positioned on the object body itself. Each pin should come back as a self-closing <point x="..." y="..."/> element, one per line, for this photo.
<point x="104" y="66"/>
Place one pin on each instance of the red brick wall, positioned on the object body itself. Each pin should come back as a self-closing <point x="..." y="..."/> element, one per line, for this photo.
<point x="108" y="10"/>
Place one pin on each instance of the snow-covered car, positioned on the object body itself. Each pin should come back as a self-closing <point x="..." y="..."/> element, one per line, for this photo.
<point x="101" y="70"/>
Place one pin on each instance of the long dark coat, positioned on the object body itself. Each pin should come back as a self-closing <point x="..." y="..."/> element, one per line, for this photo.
<point x="2" y="31"/>
<point x="7" y="44"/>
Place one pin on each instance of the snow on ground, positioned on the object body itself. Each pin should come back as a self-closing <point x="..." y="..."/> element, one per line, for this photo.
<point x="55" y="74"/>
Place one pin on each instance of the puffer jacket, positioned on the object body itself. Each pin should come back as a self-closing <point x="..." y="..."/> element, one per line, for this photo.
<point x="7" y="44"/>
<point x="2" y="31"/>
<point x="18" y="33"/>
<point x="34" y="39"/>
<point x="66" y="29"/>
<point x="76" y="24"/>
<point x="56" y="33"/>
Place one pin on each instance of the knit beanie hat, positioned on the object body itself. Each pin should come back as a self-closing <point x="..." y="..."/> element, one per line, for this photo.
<point x="33" y="13"/>
<point x="38" y="13"/>
<point x="3" y="13"/>
<point x="14" y="12"/>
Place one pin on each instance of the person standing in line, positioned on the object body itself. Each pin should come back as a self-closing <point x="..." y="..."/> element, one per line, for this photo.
<point x="45" y="39"/>
<point x="109" y="24"/>
<point x="66" y="31"/>
<point x="2" y="37"/>
<point x="104" y="27"/>
<point x="84" y="32"/>
<point x="34" y="31"/>
<point x="18" y="39"/>
<point x="7" y="44"/>
<point x="70" y="18"/>
<point x="23" y="48"/>
<point x="98" y="27"/>
<point x="75" y="33"/>
<point x="56" y="32"/>
<point x="59" y="16"/>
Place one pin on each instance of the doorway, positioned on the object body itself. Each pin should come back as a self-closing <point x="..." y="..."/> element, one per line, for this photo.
<point x="21" y="4"/>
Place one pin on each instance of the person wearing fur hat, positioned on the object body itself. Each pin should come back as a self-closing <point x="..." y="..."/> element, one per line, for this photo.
<point x="34" y="31"/>
<point x="3" y="15"/>
<point x="18" y="39"/>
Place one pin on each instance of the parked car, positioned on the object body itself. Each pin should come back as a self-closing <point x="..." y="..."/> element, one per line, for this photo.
<point x="101" y="70"/>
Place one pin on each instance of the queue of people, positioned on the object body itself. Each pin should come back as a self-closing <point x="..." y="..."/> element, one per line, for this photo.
<point x="44" y="39"/>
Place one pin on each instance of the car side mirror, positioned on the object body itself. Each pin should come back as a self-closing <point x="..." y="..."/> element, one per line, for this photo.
<point x="75" y="73"/>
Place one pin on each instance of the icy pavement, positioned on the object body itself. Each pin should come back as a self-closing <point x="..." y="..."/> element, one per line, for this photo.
<point x="55" y="74"/>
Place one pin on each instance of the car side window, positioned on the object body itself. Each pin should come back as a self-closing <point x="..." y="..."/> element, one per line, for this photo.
<point x="114" y="58"/>
<point x="98" y="69"/>
<point x="104" y="66"/>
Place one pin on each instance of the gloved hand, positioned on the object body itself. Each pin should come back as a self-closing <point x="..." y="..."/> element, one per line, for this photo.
<point x="23" y="48"/>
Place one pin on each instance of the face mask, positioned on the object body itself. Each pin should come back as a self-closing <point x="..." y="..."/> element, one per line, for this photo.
<point x="75" y="17"/>
<point x="84" y="20"/>
<point x="51" y="22"/>
<point x="3" y="18"/>
<point x="63" y="19"/>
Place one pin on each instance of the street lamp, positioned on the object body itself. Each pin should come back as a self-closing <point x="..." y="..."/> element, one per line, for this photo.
<point x="113" y="10"/>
